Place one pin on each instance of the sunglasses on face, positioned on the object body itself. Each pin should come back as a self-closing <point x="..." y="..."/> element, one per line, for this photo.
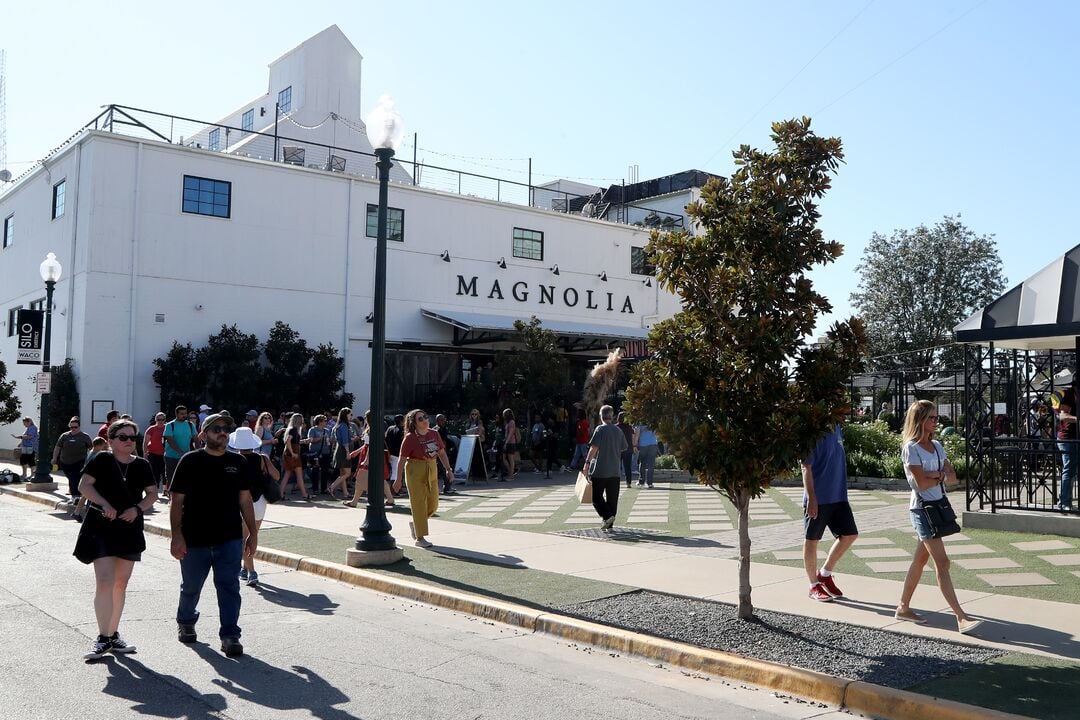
<point x="219" y="429"/>
<point x="421" y="418"/>
<point x="124" y="438"/>
<point x="73" y="426"/>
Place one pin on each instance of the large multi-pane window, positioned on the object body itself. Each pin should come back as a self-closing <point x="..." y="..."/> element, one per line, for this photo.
<point x="247" y="121"/>
<point x="395" y="223"/>
<point x="284" y="99"/>
<point x="528" y="244"/>
<point x="38" y="304"/>
<point x="639" y="262"/>
<point x="215" y="139"/>
<point x="204" y="196"/>
<point x="9" y="230"/>
<point x="58" y="192"/>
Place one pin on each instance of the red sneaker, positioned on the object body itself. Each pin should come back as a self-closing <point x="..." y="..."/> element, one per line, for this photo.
<point x="819" y="593"/>
<point x="829" y="583"/>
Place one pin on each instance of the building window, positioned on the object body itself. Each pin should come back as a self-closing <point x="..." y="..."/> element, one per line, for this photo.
<point x="528" y="244"/>
<point x="204" y="196"/>
<point x="247" y="121"/>
<point x="9" y="230"/>
<point x="13" y="320"/>
<point x="284" y="99"/>
<point x="58" y="192"/>
<point x="38" y="304"/>
<point x="395" y="223"/>
<point x="639" y="263"/>
<point x="215" y="139"/>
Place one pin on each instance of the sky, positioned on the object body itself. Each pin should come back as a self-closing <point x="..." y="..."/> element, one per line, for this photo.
<point x="944" y="107"/>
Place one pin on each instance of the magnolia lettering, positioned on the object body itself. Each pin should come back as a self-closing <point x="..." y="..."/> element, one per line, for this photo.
<point x="547" y="295"/>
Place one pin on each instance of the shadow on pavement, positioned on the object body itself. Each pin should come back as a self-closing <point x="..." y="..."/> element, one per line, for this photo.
<point x="478" y="557"/>
<point x="261" y="683"/>
<point x="130" y="680"/>
<point x="317" y="604"/>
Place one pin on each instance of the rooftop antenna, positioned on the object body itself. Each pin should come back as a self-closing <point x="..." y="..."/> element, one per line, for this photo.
<point x="5" y="174"/>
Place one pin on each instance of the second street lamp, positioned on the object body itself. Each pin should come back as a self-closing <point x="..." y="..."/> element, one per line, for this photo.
<point x="50" y="271"/>
<point x="376" y="545"/>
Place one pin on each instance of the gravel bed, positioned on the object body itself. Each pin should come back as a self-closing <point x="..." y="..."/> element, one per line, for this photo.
<point x="849" y="651"/>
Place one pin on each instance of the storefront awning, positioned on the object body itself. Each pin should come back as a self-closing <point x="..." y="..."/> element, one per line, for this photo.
<point x="477" y="328"/>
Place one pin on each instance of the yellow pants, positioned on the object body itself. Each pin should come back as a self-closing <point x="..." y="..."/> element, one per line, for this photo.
<point x="423" y="482"/>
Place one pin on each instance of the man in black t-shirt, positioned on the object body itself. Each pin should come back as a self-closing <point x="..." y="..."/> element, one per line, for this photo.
<point x="211" y="495"/>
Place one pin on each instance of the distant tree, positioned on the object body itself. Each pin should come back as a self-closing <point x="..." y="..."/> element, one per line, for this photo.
<point x="63" y="402"/>
<point x="916" y="285"/>
<point x="731" y="387"/>
<point x="538" y="372"/>
<point x="180" y="378"/>
<point x="287" y="357"/>
<point x="322" y="385"/>
<point x="9" y="402"/>
<point x="230" y="362"/>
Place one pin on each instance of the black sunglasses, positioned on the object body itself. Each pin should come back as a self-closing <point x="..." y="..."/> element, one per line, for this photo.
<point x="124" y="438"/>
<point x="219" y="429"/>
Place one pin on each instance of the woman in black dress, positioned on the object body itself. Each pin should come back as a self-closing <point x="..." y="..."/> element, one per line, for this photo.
<point x="119" y="487"/>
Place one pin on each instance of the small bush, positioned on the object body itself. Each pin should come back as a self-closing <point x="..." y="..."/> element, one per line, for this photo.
<point x="666" y="462"/>
<point x="864" y="464"/>
<point x="892" y="466"/>
<point x="871" y="439"/>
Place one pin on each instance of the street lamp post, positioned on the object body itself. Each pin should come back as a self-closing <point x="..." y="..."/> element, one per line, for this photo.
<point x="50" y="272"/>
<point x="376" y="546"/>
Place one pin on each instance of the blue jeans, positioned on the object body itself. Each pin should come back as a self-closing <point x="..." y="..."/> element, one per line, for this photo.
<point x="1068" y="472"/>
<point x="580" y="450"/>
<point x="224" y="560"/>
<point x="647" y="461"/>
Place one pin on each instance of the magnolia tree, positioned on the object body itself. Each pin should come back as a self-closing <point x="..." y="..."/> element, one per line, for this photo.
<point x="731" y="386"/>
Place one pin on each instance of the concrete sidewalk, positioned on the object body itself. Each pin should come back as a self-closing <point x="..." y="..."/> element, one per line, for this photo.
<point x="703" y="567"/>
<point x="1011" y="623"/>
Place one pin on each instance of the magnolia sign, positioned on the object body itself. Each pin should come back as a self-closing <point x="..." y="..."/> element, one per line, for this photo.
<point x="520" y="292"/>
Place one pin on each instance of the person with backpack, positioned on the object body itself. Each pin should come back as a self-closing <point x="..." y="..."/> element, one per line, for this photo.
<point x="179" y="436"/>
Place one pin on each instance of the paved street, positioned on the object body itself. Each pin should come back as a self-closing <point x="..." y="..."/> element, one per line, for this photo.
<point x="315" y="648"/>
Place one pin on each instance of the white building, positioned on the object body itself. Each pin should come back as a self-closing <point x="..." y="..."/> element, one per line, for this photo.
<point x="167" y="241"/>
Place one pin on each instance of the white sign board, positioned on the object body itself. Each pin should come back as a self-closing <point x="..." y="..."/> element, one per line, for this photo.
<point x="43" y="381"/>
<point x="467" y="446"/>
<point x="1000" y="409"/>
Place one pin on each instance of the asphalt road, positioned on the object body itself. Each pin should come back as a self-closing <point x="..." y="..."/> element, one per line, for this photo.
<point x="314" y="648"/>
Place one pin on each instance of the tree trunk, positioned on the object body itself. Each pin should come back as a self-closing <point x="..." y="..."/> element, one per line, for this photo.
<point x="746" y="608"/>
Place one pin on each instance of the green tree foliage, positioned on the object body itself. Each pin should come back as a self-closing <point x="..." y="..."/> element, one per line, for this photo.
<point x="916" y="285"/>
<point x="9" y="401"/>
<point x="538" y="373"/>
<point x="731" y="387"/>
<point x="180" y="378"/>
<point x="230" y="362"/>
<point x="287" y="356"/>
<point x="323" y="383"/>
<point x="63" y="402"/>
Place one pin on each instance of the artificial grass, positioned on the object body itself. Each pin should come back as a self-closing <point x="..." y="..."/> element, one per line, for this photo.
<point x="1067" y="589"/>
<point x="536" y="588"/>
<point x="1030" y="685"/>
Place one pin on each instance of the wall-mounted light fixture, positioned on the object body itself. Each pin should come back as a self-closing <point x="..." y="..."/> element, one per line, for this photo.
<point x="647" y="282"/>
<point x="555" y="269"/>
<point x="603" y="275"/>
<point x="370" y="317"/>
<point x="445" y="256"/>
<point x="502" y="263"/>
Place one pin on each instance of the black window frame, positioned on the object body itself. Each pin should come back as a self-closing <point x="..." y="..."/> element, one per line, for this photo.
<point x="197" y="205"/>
<point x="213" y="139"/>
<point x="247" y="121"/>
<point x="517" y="242"/>
<point x="372" y="229"/>
<point x="9" y="230"/>
<point x="13" y="320"/>
<point x="639" y="265"/>
<point x="59" y="199"/>
<point x="38" y="304"/>
<point x="284" y="99"/>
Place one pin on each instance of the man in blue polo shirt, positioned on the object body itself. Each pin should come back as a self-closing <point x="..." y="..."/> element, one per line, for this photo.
<point x="825" y="505"/>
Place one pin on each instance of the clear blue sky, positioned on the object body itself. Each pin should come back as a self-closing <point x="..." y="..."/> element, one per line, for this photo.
<point x="944" y="107"/>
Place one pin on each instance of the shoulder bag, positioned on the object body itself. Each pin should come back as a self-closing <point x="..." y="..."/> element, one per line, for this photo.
<point x="939" y="513"/>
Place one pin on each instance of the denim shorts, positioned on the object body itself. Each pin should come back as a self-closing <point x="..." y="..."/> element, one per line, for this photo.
<point x="921" y="523"/>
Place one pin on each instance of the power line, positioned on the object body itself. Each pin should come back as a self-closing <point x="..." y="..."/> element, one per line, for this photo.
<point x="788" y="83"/>
<point x="903" y="55"/>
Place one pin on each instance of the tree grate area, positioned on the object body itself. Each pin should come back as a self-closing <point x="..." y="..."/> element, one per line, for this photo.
<point x="886" y="658"/>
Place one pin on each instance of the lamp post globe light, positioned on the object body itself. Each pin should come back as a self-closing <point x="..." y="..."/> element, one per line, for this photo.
<point x="50" y="270"/>
<point x="376" y="546"/>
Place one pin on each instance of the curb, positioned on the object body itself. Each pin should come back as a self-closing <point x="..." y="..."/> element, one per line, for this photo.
<point x="875" y="701"/>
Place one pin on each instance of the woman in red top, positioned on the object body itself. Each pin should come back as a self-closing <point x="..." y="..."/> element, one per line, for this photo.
<point x="419" y="450"/>
<point x="360" y="478"/>
<point x="154" y="445"/>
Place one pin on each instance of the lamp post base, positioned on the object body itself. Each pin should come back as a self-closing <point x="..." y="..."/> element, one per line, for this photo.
<point x="373" y="558"/>
<point x="41" y="487"/>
